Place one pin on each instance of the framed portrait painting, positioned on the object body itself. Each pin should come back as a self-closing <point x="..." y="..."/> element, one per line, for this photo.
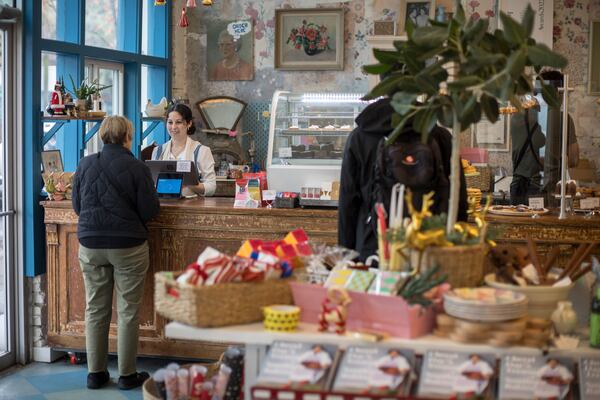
<point x="309" y="39"/>
<point x="52" y="161"/>
<point x="230" y="50"/>
<point x="417" y="11"/>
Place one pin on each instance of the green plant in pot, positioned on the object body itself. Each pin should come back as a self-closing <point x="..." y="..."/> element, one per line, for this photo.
<point x="85" y="92"/>
<point x="454" y="72"/>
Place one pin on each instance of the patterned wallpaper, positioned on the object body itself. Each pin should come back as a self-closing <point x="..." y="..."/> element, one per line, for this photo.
<point x="571" y="38"/>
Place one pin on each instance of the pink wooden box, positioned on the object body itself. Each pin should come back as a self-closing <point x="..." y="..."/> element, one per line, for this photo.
<point x="474" y="155"/>
<point x="390" y="314"/>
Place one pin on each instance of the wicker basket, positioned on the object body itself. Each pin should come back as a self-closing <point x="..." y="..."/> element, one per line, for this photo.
<point x="482" y="180"/>
<point x="149" y="388"/>
<point x="218" y="305"/>
<point x="464" y="265"/>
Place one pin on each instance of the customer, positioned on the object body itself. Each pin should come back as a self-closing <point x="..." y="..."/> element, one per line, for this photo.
<point x="114" y="196"/>
<point x="356" y="229"/>
<point x="180" y="126"/>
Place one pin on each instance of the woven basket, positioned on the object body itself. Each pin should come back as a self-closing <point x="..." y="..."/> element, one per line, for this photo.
<point x="149" y="388"/>
<point x="218" y="305"/>
<point x="482" y="180"/>
<point x="464" y="265"/>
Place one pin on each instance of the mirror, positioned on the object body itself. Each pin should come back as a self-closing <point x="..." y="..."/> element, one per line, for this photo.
<point x="221" y="112"/>
<point x="594" y="67"/>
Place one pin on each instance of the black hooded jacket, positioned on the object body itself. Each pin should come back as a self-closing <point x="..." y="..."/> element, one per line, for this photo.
<point x="360" y="155"/>
<point x="114" y="197"/>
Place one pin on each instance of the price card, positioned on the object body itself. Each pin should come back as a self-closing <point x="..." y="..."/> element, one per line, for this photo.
<point x="269" y="195"/>
<point x="536" y="203"/>
<point x="184" y="166"/>
<point x="590" y="203"/>
<point x="285" y="152"/>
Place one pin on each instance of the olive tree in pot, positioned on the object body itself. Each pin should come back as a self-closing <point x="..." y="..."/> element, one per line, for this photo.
<point x="454" y="72"/>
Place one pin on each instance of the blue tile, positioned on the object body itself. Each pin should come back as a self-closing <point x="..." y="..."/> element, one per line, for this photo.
<point x="14" y="385"/>
<point x="59" y="382"/>
<point x="109" y="393"/>
<point x="34" y="369"/>
<point x="134" y="394"/>
<point x="32" y="397"/>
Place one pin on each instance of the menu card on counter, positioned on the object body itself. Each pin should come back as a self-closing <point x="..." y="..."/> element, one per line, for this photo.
<point x="457" y="374"/>
<point x="294" y="365"/>
<point x="589" y="378"/>
<point x="376" y="370"/>
<point x="535" y="377"/>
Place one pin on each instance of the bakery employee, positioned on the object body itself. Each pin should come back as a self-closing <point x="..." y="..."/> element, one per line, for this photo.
<point x="180" y="126"/>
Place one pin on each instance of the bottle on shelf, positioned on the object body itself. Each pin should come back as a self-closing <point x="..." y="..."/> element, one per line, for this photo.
<point x="595" y="321"/>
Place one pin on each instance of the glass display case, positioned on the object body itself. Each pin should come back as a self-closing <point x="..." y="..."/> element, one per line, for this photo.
<point x="307" y="137"/>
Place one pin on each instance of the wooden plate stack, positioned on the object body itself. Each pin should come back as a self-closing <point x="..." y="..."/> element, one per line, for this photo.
<point x="531" y="332"/>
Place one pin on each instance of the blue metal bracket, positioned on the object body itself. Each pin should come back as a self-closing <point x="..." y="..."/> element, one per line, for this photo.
<point x="90" y="134"/>
<point x="149" y="129"/>
<point x="48" y="135"/>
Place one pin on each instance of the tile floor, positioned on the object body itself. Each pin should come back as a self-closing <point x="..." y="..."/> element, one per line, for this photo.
<point x="61" y="380"/>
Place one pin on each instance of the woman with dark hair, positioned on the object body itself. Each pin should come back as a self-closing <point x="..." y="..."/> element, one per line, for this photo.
<point x="180" y="125"/>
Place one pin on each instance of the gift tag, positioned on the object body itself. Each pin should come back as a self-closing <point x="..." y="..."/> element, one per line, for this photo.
<point x="536" y="203"/>
<point x="285" y="152"/>
<point x="590" y="203"/>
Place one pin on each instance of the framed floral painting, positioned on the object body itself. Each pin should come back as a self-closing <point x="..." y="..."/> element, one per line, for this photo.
<point x="309" y="39"/>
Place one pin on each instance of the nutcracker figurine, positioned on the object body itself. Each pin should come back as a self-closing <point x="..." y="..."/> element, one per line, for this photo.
<point x="56" y="102"/>
<point x="334" y="311"/>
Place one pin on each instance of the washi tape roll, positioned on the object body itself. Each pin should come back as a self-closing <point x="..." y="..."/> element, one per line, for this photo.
<point x="281" y="318"/>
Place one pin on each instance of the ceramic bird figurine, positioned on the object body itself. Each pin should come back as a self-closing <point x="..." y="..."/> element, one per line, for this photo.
<point x="156" y="110"/>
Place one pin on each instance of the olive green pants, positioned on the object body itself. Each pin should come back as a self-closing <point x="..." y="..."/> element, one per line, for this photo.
<point x="125" y="270"/>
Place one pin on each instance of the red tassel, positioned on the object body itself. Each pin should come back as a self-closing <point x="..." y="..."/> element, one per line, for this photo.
<point x="191" y="3"/>
<point x="183" y="21"/>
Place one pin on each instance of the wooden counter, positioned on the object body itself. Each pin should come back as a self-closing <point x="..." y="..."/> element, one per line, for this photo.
<point x="185" y="227"/>
<point x="177" y="236"/>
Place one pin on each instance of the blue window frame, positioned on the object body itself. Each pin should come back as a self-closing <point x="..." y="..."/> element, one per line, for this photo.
<point x="71" y="53"/>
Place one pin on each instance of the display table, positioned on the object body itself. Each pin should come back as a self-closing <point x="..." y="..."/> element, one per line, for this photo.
<point x="256" y="340"/>
<point x="185" y="227"/>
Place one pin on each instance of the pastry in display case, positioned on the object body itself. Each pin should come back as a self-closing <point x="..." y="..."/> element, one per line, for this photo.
<point x="307" y="137"/>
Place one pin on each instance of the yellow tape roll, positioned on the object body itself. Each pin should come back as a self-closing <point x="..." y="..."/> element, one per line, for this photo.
<point x="281" y="318"/>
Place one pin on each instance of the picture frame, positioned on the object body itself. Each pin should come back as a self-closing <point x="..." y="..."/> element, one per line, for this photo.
<point x="384" y="28"/>
<point x="309" y="39"/>
<point x="493" y="137"/>
<point x="417" y="10"/>
<point x="52" y="161"/>
<point x="230" y="50"/>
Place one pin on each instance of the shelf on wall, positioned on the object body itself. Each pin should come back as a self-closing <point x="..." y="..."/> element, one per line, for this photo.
<point x="63" y="119"/>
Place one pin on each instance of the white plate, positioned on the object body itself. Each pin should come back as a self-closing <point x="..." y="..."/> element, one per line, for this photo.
<point x="514" y="213"/>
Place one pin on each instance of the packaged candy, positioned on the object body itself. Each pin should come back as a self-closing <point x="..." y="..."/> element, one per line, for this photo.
<point x="159" y="381"/>
<point x="183" y="383"/>
<point x="197" y="380"/>
<point x="171" y="384"/>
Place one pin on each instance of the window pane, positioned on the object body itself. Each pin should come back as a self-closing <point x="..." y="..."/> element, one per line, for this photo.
<point x="48" y="77"/>
<point x="101" y="28"/>
<point x="154" y="24"/>
<point x="59" y="20"/>
<point x="153" y="85"/>
<point x="49" y="19"/>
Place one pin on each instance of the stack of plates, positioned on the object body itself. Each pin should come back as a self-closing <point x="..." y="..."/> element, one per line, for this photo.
<point x="474" y="198"/>
<point x="485" y="304"/>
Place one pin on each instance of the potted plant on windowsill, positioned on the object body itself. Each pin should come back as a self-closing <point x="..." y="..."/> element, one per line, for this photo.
<point x="454" y="72"/>
<point x="85" y="92"/>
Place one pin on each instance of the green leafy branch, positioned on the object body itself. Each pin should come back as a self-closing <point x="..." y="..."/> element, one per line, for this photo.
<point x="87" y="88"/>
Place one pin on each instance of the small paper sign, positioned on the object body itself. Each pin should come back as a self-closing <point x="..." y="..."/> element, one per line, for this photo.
<point x="589" y="378"/>
<point x="285" y="152"/>
<point x="184" y="166"/>
<point x="269" y="194"/>
<point x="537" y="203"/>
<point x="590" y="203"/>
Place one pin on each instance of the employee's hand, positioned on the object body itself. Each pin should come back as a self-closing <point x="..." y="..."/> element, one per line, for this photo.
<point x="198" y="189"/>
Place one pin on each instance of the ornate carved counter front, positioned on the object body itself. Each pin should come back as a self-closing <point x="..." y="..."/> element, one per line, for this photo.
<point x="176" y="237"/>
<point x="184" y="228"/>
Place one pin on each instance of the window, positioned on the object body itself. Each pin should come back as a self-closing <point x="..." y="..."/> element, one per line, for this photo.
<point x="86" y="38"/>
<point x="101" y="28"/>
<point x="108" y="74"/>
